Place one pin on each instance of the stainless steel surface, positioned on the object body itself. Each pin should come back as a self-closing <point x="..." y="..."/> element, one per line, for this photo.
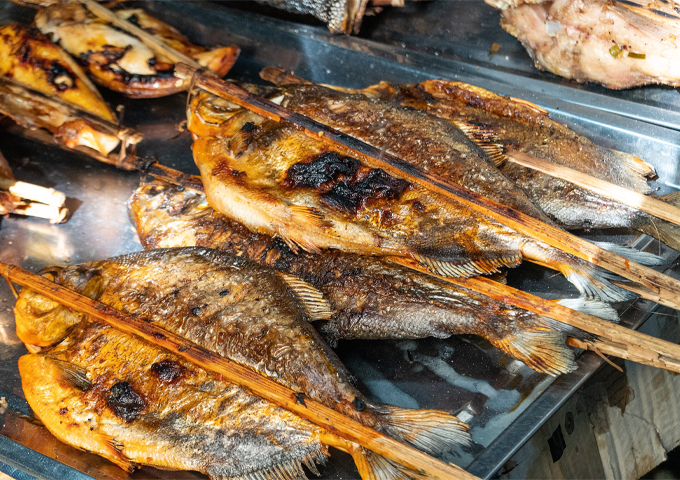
<point x="502" y="400"/>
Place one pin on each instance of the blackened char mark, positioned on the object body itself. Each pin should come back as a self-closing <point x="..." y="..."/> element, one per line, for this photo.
<point x="352" y="196"/>
<point x="324" y="169"/>
<point x="167" y="371"/>
<point x="125" y="403"/>
<point x="60" y="76"/>
<point x="344" y="184"/>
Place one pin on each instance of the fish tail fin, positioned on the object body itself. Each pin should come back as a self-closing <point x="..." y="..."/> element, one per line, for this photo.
<point x="639" y="170"/>
<point x="540" y="341"/>
<point x="372" y="466"/>
<point x="219" y="60"/>
<point x="432" y="431"/>
<point x="666" y="232"/>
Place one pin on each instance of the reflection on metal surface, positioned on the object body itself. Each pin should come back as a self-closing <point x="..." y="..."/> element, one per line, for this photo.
<point x="503" y="401"/>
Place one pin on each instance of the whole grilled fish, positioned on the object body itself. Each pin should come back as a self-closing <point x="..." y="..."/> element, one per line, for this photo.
<point x="120" y="61"/>
<point x="276" y="180"/>
<point x="369" y="297"/>
<point x="499" y="123"/>
<point x="620" y="44"/>
<point x="240" y="310"/>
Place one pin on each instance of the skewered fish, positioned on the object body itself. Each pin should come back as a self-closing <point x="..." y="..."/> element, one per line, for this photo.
<point x="342" y="16"/>
<point x="230" y="306"/>
<point x="120" y="61"/>
<point x="277" y="180"/>
<point x="370" y="298"/>
<point x="619" y="44"/>
<point x="501" y="123"/>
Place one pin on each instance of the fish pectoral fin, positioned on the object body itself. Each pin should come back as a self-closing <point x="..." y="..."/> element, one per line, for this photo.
<point x="485" y="138"/>
<point x="71" y="374"/>
<point x="113" y="452"/>
<point x="312" y="300"/>
<point x="283" y="471"/>
<point x="372" y="466"/>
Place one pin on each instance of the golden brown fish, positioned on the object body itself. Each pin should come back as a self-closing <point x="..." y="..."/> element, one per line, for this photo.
<point x="276" y="180"/>
<point x="500" y="123"/>
<point x="120" y="61"/>
<point x="370" y="298"/>
<point x="620" y="44"/>
<point x="230" y="306"/>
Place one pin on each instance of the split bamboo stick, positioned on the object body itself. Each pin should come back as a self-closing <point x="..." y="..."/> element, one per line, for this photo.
<point x="49" y="212"/>
<point x="650" y="205"/>
<point x="327" y="418"/>
<point x="617" y="340"/>
<point x="48" y="196"/>
<point x="657" y="287"/>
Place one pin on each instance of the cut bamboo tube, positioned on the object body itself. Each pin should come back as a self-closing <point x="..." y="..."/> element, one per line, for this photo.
<point x="658" y="287"/>
<point x="618" y="340"/>
<point x="50" y="212"/>
<point x="327" y="418"/>
<point x="647" y="204"/>
<point x="48" y="196"/>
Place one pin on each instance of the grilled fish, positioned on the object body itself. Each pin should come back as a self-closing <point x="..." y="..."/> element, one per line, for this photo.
<point x="620" y="44"/>
<point x="276" y="180"/>
<point x="240" y="310"/>
<point x="341" y="16"/>
<point x="369" y="297"/>
<point x="120" y="61"/>
<point x="499" y="123"/>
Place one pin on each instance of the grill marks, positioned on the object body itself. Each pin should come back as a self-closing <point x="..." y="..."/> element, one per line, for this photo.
<point x="125" y="403"/>
<point x="344" y="184"/>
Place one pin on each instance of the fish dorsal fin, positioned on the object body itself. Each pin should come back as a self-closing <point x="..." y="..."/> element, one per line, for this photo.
<point x="290" y="470"/>
<point x="312" y="300"/>
<point x="72" y="374"/>
<point x="469" y="268"/>
<point x="485" y="138"/>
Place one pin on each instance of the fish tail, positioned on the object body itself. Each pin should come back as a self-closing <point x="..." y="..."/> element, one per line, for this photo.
<point x="667" y="232"/>
<point x="372" y="466"/>
<point x="590" y="280"/>
<point x="540" y="341"/>
<point x="432" y="431"/>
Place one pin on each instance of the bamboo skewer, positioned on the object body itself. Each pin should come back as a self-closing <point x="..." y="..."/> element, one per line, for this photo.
<point x="650" y="205"/>
<point x="657" y="287"/>
<point x="48" y="196"/>
<point x="618" y="340"/>
<point x="31" y="209"/>
<point x="327" y="418"/>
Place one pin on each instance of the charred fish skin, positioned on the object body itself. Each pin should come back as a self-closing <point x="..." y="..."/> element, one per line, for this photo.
<point x="120" y="61"/>
<point x="341" y="16"/>
<point x="29" y="57"/>
<point x="370" y="298"/>
<point x="250" y="168"/>
<point x="235" y="308"/>
<point x="115" y="395"/>
<point x="619" y="44"/>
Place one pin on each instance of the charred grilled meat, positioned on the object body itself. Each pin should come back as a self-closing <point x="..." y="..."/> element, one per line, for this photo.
<point x="276" y="180"/>
<point x="620" y="44"/>
<point x="120" y="61"/>
<point x="369" y="297"/>
<point x="502" y="123"/>
<point x="231" y="306"/>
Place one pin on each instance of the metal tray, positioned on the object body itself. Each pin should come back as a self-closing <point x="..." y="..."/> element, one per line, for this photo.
<point x="503" y="401"/>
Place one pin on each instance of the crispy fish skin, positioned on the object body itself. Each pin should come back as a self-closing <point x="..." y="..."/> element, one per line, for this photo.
<point x="276" y="180"/>
<point x="620" y="44"/>
<point x="30" y="58"/>
<point x="120" y="61"/>
<point x="342" y="16"/>
<point x="370" y="298"/>
<point x="115" y="395"/>
<point x="237" y="309"/>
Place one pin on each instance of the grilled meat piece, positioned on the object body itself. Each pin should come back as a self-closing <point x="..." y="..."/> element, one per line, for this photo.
<point x="238" y="309"/>
<point x="120" y="61"/>
<point x="29" y="57"/>
<point x="370" y="298"/>
<point x="276" y="180"/>
<point x="620" y="44"/>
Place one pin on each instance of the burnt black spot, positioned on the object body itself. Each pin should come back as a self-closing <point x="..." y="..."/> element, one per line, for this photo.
<point x="159" y="335"/>
<point x="167" y="371"/>
<point x="418" y="207"/>
<point x="249" y="127"/>
<point x="24" y="53"/>
<point x="134" y="19"/>
<point x="351" y="197"/>
<point x="300" y="399"/>
<point x="224" y="292"/>
<point x="183" y="348"/>
<point x="152" y="62"/>
<point x="196" y="310"/>
<point x="325" y="168"/>
<point x="237" y="173"/>
<point x="124" y="401"/>
<point x="359" y="404"/>
<point x="63" y="411"/>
